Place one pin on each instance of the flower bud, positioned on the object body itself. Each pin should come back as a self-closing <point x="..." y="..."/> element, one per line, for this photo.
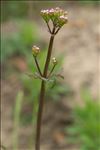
<point x="44" y="14"/>
<point x="35" y="50"/>
<point x="57" y="8"/>
<point x="54" y="60"/>
<point x="51" y="14"/>
<point x="63" y="20"/>
<point x="51" y="11"/>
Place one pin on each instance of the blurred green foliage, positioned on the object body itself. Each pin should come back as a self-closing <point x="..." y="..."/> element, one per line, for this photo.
<point x="17" y="119"/>
<point x="13" y="9"/>
<point x="86" y="128"/>
<point x="18" y="42"/>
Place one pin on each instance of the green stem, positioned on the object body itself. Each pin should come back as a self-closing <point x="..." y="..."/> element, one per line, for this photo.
<point x="51" y="70"/>
<point x="48" y="27"/>
<point x="37" y="66"/>
<point x="57" y="30"/>
<point x="49" y="53"/>
<point x="42" y="92"/>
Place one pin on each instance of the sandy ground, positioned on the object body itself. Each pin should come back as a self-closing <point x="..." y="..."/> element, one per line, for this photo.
<point x="79" y="41"/>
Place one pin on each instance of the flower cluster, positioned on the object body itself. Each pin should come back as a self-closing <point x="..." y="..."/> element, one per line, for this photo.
<point x="56" y="15"/>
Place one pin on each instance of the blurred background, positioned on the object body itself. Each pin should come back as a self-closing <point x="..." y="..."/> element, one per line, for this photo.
<point x="71" y="119"/>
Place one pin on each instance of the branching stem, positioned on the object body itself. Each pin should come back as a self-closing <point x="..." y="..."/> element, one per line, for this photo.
<point x="42" y="92"/>
<point x="48" y="27"/>
<point x="52" y="70"/>
<point x="57" y="30"/>
<point x="38" y="67"/>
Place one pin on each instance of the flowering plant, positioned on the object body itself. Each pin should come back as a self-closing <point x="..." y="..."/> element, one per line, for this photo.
<point x="58" y="18"/>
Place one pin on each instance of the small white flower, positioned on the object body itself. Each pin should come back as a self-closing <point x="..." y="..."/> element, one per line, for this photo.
<point x="35" y="50"/>
<point x="54" y="60"/>
<point x="63" y="18"/>
<point x="51" y="10"/>
<point x="35" y="47"/>
<point x="45" y="11"/>
<point x="57" y="8"/>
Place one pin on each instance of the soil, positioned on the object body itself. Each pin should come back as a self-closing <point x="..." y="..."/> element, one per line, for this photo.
<point x="79" y="42"/>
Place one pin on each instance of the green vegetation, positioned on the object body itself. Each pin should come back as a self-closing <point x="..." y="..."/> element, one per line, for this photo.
<point x="86" y="128"/>
<point x="18" y="42"/>
<point x="13" y="9"/>
<point x="17" y="119"/>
